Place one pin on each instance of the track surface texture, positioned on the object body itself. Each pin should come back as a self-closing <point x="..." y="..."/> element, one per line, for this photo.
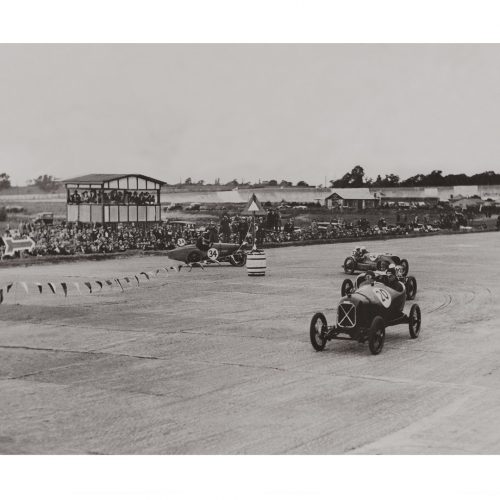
<point x="215" y="362"/>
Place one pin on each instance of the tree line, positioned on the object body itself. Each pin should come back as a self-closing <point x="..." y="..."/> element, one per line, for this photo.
<point x="357" y="178"/>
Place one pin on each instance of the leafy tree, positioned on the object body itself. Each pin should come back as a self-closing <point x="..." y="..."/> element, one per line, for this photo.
<point x="46" y="183"/>
<point x="284" y="183"/>
<point x="302" y="184"/>
<point x="272" y="182"/>
<point x="188" y="181"/>
<point x="200" y="182"/>
<point x="4" y="181"/>
<point x="354" y="178"/>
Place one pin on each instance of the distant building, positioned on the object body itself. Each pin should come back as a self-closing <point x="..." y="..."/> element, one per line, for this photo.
<point x="113" y="198"/>
<point x="355" y="198"/>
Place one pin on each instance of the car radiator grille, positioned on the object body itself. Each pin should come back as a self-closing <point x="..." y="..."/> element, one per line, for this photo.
<point x="346" y="315"/>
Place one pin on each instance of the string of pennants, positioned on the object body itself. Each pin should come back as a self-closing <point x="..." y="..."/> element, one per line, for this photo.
<point x="94" y="285"/>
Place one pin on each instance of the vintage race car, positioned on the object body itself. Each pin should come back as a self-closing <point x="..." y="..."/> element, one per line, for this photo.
<point x="364" y="315"/>
<point x="409" y="282"/>
<point x="217" y="252"/>
<point x="373" y="262"/>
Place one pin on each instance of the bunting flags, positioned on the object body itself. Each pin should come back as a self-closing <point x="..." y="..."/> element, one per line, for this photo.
<point x="99" y="284"/>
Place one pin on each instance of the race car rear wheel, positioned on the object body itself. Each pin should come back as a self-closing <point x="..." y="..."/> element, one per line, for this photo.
<point x="193" y="257"/>
<point x="377" y="335"/>
<point x="238" y="259"/>
<point x="406" y="266"/>
<point x="415" y="322"/>
<point x="349" y="265"/>
<point x="347" y="287"/>
<point x="317" y="331"/>
<point x="411" y="288"/>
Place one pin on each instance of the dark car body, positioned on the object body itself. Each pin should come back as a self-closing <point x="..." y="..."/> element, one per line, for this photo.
<point x="225" y="252"/>
<point x="374" y="262"/>
<point x="363" y="315"/>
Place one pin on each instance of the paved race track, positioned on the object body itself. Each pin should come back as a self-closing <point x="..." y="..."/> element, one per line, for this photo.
<point x="215" y="362"/>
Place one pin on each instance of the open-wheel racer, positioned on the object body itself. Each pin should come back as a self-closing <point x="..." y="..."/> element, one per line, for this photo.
<point x="203" y="251"/>
<point x="409" y="282"/>
<point x="362" y="260"/>
<point x="365" y="313"/>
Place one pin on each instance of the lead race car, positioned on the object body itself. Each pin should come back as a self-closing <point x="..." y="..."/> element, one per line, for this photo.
<point x="205" y="252"/>
<point x="364" y="314"/>
<point x="362" y="260"/>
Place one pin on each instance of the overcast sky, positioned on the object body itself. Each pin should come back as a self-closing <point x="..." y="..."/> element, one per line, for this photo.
<point x="296" y="112"/>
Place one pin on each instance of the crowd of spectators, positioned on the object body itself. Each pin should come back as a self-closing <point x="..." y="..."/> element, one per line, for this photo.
<point x="75" y="238"/>
<point x="112" y="197"/>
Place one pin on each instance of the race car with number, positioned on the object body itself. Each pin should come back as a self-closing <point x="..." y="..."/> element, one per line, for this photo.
<point x="363" y="315"/>
<point x="373" y="262"/>
<point x="409" y="282"/>
<point x="216" y="252"/>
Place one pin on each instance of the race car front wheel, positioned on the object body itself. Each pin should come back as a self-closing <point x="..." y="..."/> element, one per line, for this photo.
<point x="317" y="331"/>
<point x="406" y="267"/>
<point x="411" y="288"/>
<point x="347" y="287"/>
<point x="349" y="265"/>
<point x="377" y="335"/>
<point x="415" y="322"/>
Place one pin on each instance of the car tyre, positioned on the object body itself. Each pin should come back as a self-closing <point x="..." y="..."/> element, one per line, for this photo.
<point x="377" y="335"/>
<point x="238" y="259"/>
<point x="411" y="288"/>
<point x="193" y="257"/>
<point x="406" y="267"/>
<point x="349" y="265"/>
<point x="317" y="331"/>
<point x="415" y="321"/>
<point x="347" y="287"/>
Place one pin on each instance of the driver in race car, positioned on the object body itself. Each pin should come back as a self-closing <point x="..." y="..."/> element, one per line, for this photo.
<point x="392" y="279"/>
<point x="203" y="242"/>
<point x="359" y="253"/>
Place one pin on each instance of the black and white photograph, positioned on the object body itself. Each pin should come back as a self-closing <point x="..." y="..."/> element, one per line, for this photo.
<point x="250" y="250"/>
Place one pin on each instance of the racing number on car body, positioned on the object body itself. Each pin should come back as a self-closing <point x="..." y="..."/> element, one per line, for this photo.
<point x="181" y="242"/>
<point x="383" y="296"/>
<point x="212" y="253"/>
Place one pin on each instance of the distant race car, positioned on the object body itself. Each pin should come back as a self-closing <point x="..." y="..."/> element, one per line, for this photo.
<point x="362" y="260"/>
<point x="409" y="282"/>
<point x="217" y="252"/>
<point x="364" y="315"/>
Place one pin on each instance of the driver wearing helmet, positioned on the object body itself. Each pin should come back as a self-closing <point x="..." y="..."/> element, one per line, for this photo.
<point x="359" y="253"/>
<point x="392" y="279"/>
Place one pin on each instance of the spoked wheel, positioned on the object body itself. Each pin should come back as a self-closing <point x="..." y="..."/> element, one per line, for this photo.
<point x="238" y="259"/>
<point x="347" y="287"/>
<point x="193" y="257"/>
<point x="349" y="265"/>
<point x="411" y="288"/>
<point x="377" y="335"/>
<point x="405" y="266"/>
<point x="318" y="331"/>
<point x="415" y="322"/>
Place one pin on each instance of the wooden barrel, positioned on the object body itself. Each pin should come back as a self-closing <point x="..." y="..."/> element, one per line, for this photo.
<point x="256" y="264"/>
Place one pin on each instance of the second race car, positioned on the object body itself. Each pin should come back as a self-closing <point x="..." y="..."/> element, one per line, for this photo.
<point x="362" y="260"/>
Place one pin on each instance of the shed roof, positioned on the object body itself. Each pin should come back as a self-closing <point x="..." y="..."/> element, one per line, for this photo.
<point x="352" y="194"/>
<point x="101" y="178"/>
